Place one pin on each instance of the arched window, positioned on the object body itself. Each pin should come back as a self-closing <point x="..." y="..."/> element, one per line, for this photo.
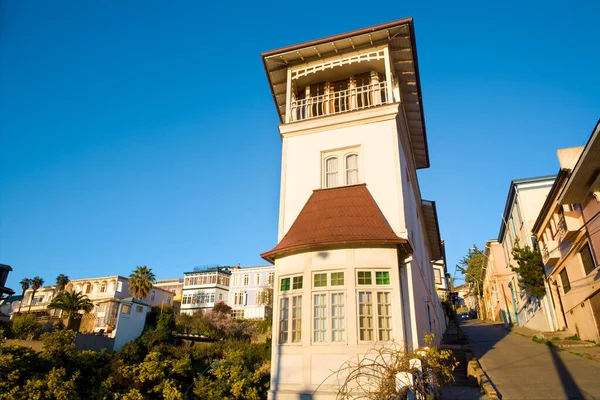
<point x="352" y="169"/>
<point x="103" y="287"/>
<point x="331" y="172"/>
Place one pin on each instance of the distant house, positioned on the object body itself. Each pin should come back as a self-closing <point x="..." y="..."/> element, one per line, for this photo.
<point x="121" y="319"/>
<point x="174" y="285"/>
<point x="251" y="292"/>
<point x="204" y="287"/>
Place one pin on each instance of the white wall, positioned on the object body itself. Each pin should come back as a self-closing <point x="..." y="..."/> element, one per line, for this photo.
<point x="129" y="326"/>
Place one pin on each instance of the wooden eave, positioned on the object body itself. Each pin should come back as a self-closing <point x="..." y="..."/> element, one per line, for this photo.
<point x="398" y="35"/>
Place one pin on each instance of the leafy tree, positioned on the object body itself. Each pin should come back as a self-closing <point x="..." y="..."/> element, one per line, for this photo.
<point x="221" y="307"/>
<point x="141" y="281"/>
<point x="25" y="283"/>
<point x="59" y="346"/>
<point x="471" y="265"/>
<point x="62" y="281"/>
<point x="530" y="270"/>
<point x="17" y="365"/>
<point x="70" y="303"/>
<point x="36" y="283"/>
<point x="26" y="326"/>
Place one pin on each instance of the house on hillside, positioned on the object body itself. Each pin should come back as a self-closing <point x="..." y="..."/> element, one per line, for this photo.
<point x="251" y="292"/>
<point x="568" y="229"/>
<point x="204" y="287"/>
<point x="5" y="291"/>
<point x="356" y="242"/>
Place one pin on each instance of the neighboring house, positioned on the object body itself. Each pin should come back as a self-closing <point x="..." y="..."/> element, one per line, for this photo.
<point x="356" y="242"/>
<point x="38" y="304"/>
<point x="121" y="319"/>
<point x="251" y="292"/>
<point x="465" y="299"/>
<point x="174" y="285"/>
<point x="498" y="305"/>
<point x="4" y="291"/>
<point x="116" y="286"/>
<point x="568" y="232"/>
<point x="523" y="204"/>
<point x="440" y="276"/>
<point x="204" y="287"/>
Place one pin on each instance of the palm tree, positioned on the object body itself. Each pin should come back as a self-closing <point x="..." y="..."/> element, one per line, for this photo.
<point x="140" y="281"/>
<point x="61" y="282"/>
<point x="36" y="283"/>
<point x="70" y="303"/>
<point x="25" y="282"/>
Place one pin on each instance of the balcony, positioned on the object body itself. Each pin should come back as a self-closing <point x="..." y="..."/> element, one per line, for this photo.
<point x="550" y="253"/>
<point x="569" y="225"/>
<point x="339" y="102"/>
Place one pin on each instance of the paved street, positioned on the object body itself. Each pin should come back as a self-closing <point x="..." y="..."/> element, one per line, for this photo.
<point x="523" y="369"/>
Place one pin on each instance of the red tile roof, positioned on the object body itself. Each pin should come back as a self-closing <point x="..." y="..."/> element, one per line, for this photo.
<point x="341" y="216"/>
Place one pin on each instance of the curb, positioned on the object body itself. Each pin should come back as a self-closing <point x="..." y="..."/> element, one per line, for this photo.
<point x="485" y="384"/>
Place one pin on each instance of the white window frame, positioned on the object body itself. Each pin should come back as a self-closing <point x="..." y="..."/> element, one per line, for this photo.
<point x="375" y="290"/>
<point x="342" y="171"/>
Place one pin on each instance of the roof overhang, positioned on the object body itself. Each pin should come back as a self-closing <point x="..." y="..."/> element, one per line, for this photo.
<point x="586" y="171"/>
<point x="433" y="229"/>
<point x="398" y="35"/>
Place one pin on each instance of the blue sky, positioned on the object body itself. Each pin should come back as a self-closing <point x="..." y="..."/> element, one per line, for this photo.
<point x="139" y="133"/>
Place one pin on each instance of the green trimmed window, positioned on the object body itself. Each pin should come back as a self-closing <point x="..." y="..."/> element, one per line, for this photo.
<point x="320" y="280"/>
<point x="382" y="278"/>
<point x="337" y="279"/>
<point x="285" y="284"/>
<point x="297" y="282"/>
<point x="364" y="278"/>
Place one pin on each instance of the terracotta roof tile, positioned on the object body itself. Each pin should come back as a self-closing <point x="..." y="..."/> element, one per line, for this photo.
<point x="337" y="216"/>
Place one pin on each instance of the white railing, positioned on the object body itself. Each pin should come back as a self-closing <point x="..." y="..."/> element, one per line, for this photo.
<point x="339" y="102"/>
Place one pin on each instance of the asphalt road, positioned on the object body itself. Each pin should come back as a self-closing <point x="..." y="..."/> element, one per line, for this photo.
<point x="522" y="369"/>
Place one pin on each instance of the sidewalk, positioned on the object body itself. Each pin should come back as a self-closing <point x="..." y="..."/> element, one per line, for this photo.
<point x="579" y="348"/>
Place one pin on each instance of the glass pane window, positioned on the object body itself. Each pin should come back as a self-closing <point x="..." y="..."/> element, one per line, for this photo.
<point x="331" y="172"/>
<point x="337" y="279"/>
<point x="384" y="315"/>
<point x="352" y="169"/>
<point x="365" y="315"/>
<point x="382" y="278"/>
<point x="297" y="282"/>
<point x="296" y="319"/>
<point x="320" y="280"/>
<point x="320" y="317"/>
<point x="283" y="319"/>
<point x="337" y="317"/>
<point x="587" y="259"/>
<point x="565" y="281"/>
<point x="285" y="284"/>
<point x="364" y="278"/>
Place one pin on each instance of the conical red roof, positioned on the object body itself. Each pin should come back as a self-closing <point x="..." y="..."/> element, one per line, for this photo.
<point x="346" y="215"/>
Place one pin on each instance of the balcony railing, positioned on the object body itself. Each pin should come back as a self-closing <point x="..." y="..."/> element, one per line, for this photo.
<point x="569" y="225"/>
<point x="550" y="253"/>
<point x="339" y="102"/>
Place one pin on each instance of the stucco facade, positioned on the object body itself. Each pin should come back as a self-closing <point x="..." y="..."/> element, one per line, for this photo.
<point x="524" y="202"/>
<point x="251" y="292"/>
<point x="356" y="242"/>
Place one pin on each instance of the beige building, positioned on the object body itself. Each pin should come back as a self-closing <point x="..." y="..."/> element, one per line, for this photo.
<point x="356" y="242"/>
<point x="498" y="304"/>
<point x="568" y="230"/>
<point x="523" y="204"/>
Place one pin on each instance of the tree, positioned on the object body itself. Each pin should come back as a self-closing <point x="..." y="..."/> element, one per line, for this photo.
<point x="70" y="303"/>
<point x="61" y="282"/>
<point x="222" y="308"/>
<point x="471" y="265"/>
<point x="25" y="282"/>
<point x="141" y="281"/>
<point x="530" y="270"/>
<point x="36" y="283"/>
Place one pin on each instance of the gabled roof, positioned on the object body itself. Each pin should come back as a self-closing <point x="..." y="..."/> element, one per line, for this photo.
<point x="398" y="35"/>
<point x="341" y="217"/>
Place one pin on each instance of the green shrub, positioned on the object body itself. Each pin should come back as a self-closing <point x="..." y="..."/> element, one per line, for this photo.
<point x="26" y="327"/>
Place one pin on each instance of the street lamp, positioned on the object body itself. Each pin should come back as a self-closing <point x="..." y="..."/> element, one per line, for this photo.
<point x="215" y="364"/>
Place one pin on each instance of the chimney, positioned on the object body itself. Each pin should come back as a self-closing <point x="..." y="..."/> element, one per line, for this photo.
<point x="567" y="158"/>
